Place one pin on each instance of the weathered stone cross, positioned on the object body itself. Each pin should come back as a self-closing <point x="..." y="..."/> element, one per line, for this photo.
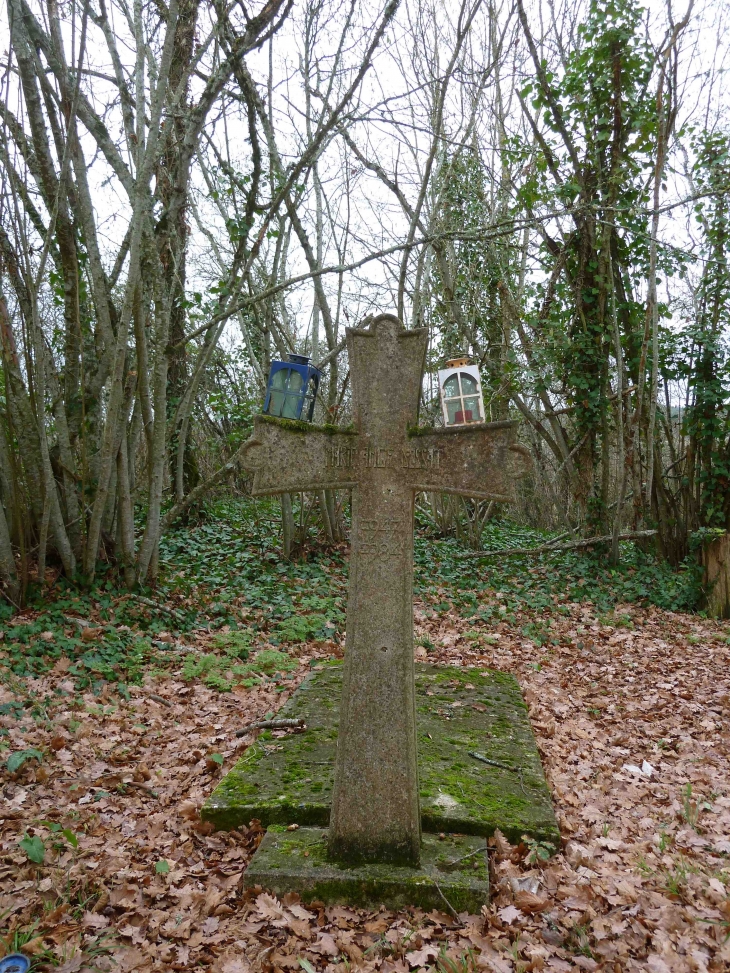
<point x="385" y="460"/>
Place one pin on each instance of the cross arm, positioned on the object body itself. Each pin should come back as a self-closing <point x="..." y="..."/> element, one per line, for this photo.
<point x="480" y="461"/>
<point x="287" y="456"/>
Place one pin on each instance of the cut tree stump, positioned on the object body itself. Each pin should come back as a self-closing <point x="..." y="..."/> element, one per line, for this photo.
<point x="716" y="562"/>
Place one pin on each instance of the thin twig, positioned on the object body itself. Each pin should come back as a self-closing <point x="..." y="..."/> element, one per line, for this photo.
<point x="550" y="548"/>
<point x="496" y="763"/>
<point x="478" y="851"/>
<point x="452" y="911"/>
<point x="159" y="699"/>
<point x="110" y="780"/>
<point x="13" y="603"/>
<point x="283" y="724"/>
<point x="493" y="763"/>
<point x="173" y="612"/>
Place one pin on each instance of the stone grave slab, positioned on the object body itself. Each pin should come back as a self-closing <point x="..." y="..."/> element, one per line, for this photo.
<point x="453" y="871"/>
<point x="459" y="712"/>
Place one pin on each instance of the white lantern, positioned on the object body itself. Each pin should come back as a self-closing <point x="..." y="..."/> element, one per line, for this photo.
<point x="461" y="393"/>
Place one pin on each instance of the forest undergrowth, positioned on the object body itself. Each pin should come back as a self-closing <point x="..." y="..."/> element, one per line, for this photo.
<point x="118" y="715"/>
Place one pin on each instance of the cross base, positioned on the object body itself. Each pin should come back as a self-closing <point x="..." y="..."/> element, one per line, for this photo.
<point x="453" y="874"/>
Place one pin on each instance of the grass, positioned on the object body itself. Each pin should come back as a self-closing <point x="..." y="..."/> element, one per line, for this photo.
<point x="27" y="937"/>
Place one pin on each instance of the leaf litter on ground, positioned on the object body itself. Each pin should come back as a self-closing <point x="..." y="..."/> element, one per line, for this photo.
<point x="630" y="704"/>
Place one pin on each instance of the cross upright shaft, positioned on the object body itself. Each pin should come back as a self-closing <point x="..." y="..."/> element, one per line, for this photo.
<point x="375" y="811"/>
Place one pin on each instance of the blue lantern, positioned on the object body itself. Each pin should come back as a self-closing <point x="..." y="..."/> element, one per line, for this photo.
<point x="292" y="388"/>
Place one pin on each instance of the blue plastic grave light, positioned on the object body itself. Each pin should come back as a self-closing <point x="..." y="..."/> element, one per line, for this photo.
<point x="14" y="963"/>
<point x="292" y="388"/>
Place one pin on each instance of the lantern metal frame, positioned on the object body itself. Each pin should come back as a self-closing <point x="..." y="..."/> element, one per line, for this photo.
<point x="291" y="389"/>
<point x="460" y="390"/>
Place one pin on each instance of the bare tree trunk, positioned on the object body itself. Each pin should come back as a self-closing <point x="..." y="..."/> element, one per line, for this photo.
<point x="8" y="570"/>
<point x="157" y="461"/>
<point x="325" y="514"/>
<point x="287" y="525"/>
<point x="125" y="514"/>
<point x="620" y="441"/>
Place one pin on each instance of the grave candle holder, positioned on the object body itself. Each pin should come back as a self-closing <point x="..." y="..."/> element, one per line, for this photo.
<point x="461" y="393"/>
<point x="291" y="390"/>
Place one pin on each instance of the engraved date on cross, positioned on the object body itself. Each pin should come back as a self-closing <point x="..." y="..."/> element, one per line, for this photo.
<point x="381" y="538"/>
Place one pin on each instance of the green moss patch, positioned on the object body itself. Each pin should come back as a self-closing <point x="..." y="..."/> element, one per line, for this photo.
<point x="460" y="713"/>
<point x="452" y="868"/>
<point x="299" y="425"/>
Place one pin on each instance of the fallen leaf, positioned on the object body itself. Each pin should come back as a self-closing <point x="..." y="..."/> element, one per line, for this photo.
<point x="234" y="965"/>
<point x="530" y="902"/>
<point x="93" y="921"/>
<point x="503" y="848"/>
<point x="377" y="925"/>
<point x="510" y="914"/>
<point x="325" y="944"/>
<point x="72" y="965"/>
<point x="420" y="957"/>
<point x="211" y="925"/>
<point x="270" y="908"/>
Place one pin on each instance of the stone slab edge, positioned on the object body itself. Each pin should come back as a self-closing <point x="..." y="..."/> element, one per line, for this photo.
<point x="295" y="861"/>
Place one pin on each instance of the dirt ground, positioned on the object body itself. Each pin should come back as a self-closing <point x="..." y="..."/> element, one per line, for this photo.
<point x="633" y="723"/>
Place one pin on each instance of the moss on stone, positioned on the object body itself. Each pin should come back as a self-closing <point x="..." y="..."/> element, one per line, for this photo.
<point x="413" y="431"/>
<point x="459" y="712"/>
<point x="299" y="425"/>
<point x="454" y="867"/>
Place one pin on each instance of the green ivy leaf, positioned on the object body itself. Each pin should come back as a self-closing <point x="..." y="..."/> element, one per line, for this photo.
<point x="34" y="848"/>
<point x="162" y="867"/>
<point x="17" y="759"/>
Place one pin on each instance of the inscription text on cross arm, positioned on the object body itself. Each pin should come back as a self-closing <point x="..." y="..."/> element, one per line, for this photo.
<point x="377" y="457"/>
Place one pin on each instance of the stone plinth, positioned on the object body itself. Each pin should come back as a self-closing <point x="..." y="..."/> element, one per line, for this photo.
<point x="453" y="871"/>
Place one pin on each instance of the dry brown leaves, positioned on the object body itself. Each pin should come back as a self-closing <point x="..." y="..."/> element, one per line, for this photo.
<point x="633" y="728"/>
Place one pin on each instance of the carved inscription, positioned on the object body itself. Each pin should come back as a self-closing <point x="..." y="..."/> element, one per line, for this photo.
<point x="340" y="456"/>
<point x="420" y="458"/>
<point x="377" y="457"/>
<point x="381" y="538"/>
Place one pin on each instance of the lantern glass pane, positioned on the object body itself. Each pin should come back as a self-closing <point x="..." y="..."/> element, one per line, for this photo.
<point x="451" y="386"/>
<point x="296" y="381"/>
<point x="311" y="389"/>
<point x="291" y="407"/>
<point x="471" y="408"/>
<point x="279" y="379"/>
<point x="452" y="407"/>
<point x="468" y="385"/>
<point x="276" y="402"/>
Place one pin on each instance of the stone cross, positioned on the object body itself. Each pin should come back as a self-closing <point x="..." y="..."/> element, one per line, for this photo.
<point x="385" y="459"/>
